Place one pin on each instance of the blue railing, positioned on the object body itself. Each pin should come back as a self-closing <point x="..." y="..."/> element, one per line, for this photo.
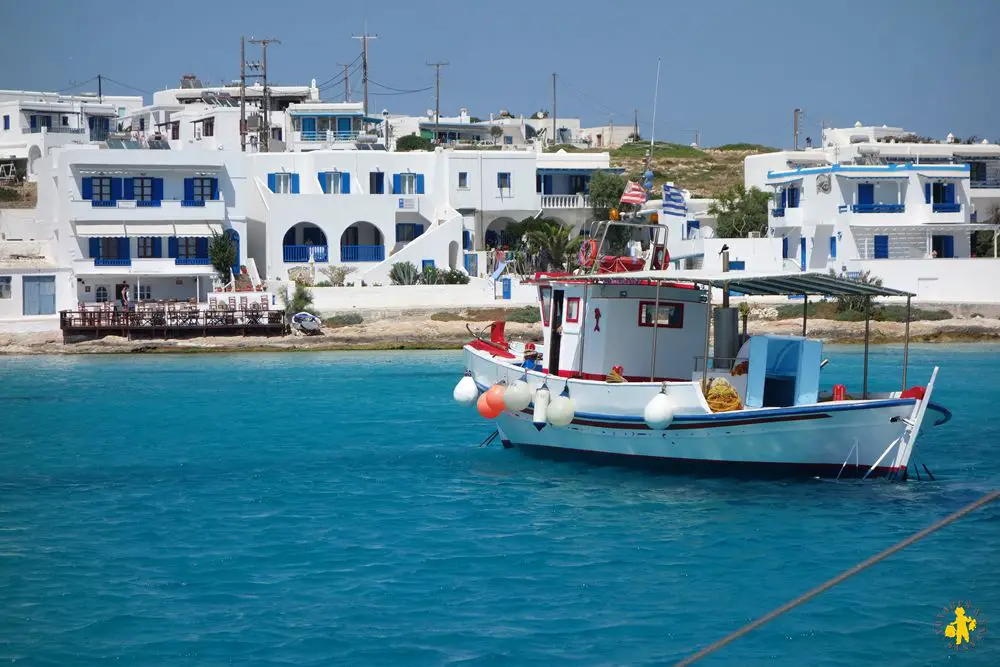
<point x="192" y="261"/>
<point x="103" y="203"/>
<point x="362" y="253"/>
<point x="878" y="208"/>
<point x="985" y="183"/>
<point x="328" y="135"/>
<point x="105" y="261"/>
<point x="778" y="212"/>
<point x="946" y="208"/>
<point x="150" y="203"/>
<point x="300" y="253"/>
<point x="192" y="202"/>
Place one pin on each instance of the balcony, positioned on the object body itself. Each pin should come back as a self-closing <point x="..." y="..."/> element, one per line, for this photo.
<point x="878" y="208"/>
<point x="104" y="261"/>
<point x="326" y="136"/>
<point x="777" y="213"/>
<point x="53" y="130"/>
<point x="130" y="210"/>
<point x="362" y="253"/>
<point x="192" y="261"/>
<point x="985" y="183"/>
<point x="566" y="201"/>
<point x="300" y="253"/>
<point x="145" y="266"/>
<point x="946" y="208"/>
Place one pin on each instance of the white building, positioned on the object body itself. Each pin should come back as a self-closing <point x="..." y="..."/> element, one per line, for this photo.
<point x="869" y="199"/>
<point x="32" y="123"/>
<point x="512" y="132"/>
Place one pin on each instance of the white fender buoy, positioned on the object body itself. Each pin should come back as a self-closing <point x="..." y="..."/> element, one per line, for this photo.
<point x="659" y="412"/>
<point x="517" y="396"/>
<point x="539" y="416"/>
<point x="466" y="392"/>
<point x="561" y="411"/>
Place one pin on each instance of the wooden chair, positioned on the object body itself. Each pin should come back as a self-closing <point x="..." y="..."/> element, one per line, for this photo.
<point x="243" y="303"/>
<point x="232" y="303"/>
<point x="264" y="302"/>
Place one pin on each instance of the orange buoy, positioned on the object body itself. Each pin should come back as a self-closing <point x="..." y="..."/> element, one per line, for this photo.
<point x="614" y="214"/>
<point x="485" y="410"/>
<point x="494" y="398"/>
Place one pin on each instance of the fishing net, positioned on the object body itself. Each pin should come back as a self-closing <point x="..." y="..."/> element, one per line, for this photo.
<point x="722" y="396"/>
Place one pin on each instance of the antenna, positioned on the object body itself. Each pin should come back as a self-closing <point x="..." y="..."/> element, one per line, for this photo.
<point x="347" y="83"/>
<point x="652" y="131"/>
<point x="796" y="113"/>
<point x="437" y="97"/>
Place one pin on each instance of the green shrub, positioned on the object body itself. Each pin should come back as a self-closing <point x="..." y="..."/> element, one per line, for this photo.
<point x="413" y="142"/>
<point x="404" y="273"/>
<point x="525" y="315"/>
<point x="323" y="283"/>
<point x="454" y="277"/>
<point x="760" y="148"/>
<point x="431" y="275"/>
<point x="9" y="194"/>
<point x="344" y="320"/>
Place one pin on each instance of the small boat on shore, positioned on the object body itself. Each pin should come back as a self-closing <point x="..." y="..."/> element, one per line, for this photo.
<point x="640" y="368"/>
<point x="307" y="323"/>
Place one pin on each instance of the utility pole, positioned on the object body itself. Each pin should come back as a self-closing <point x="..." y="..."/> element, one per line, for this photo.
<point x="347" y="83"/>
<point x="364" y="64"/>
<point x="635" y="124"/>
<point x="554" y="138"/>
<point x="265" y="137"/>
<point x="243" y="95"/>
<point x="437" y="97"/>
<point x="795" y="124"/>
<point x="100" y="93"/>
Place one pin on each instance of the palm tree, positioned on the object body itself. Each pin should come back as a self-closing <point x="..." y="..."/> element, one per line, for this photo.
<point x="554" y="242"/>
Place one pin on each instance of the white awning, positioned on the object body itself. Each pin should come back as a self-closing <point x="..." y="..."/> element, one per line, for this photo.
<point x="150" y="229"/>
<point x="196" y="229"/>
<point x="100" y="229"/>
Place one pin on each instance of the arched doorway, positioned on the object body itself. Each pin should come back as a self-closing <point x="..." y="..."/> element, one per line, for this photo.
<point x="496" y="235"/>
<point x="362" y="242"/>
<point x="305" y="240"/>
<point x="33" y="154"/>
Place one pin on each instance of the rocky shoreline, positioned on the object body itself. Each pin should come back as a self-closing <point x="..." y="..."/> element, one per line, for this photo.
<point x="422" y="332"/>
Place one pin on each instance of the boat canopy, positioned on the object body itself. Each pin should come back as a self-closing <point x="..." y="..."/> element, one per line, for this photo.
<point x="756" y="284"/>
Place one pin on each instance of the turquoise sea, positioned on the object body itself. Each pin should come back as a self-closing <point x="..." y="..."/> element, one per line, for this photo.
<point x="336" y="509"/>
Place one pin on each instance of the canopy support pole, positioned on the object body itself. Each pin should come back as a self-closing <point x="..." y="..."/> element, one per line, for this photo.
<point x="906" y="342"/>
<point x="868" y="320"/>
<point x="656" y="322"/>
<point x="805" y="313"/>
<point x="708" y="328"/>
<point x="583" y="324"/>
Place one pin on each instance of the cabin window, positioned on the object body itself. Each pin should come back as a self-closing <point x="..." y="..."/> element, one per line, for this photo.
<point x="208" y="127"/>
<point x="573" y="309"/>
<point x="667" y="316"/>
<point x="546" y="296"/>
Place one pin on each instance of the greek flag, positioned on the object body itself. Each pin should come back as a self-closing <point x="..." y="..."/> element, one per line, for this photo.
<point x="673" y="201"/>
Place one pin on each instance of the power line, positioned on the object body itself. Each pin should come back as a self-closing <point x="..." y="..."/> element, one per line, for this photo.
<point x="805" y="597"/>
<point x="338" y="76"/>
<point x="402" y="90"/>
<point x="125" y="85"/>
<point x="77" y="85"/>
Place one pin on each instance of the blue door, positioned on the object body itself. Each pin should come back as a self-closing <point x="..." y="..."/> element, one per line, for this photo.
<point x="547" y="184"/>
<point x="344" y="128"/>
<point x="308" y="127"/>
<point x="949" y="246"/>
<point x="802" y="253"/>
<point x="39" y="295"/>
<point x="505" y="284"/>
<point x="234" y="236"/>
<point x="472" y="264"/>
<point x="866" y="194"/>
<point x="881" y="247"/>
<point x="784" y="247"/>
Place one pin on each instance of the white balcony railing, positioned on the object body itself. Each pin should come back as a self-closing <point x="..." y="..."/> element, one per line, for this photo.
<point x="565" y="201"/>
<point x="125" y="210"/>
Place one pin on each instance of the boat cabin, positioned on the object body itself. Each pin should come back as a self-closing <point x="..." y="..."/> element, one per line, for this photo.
<point x="591" y="327"/>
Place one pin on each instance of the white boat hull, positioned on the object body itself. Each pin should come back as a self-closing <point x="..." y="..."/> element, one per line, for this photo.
<point x="829" y="439"/>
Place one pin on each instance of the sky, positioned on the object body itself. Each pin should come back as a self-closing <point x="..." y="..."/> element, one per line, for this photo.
<point x="731" y="69"/>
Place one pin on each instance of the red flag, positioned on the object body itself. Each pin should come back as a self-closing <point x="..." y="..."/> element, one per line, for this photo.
<point x="634" y="194"/>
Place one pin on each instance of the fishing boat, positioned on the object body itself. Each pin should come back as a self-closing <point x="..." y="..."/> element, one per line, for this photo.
<point x="643" y="368"/>
<point x="307" y="323"/>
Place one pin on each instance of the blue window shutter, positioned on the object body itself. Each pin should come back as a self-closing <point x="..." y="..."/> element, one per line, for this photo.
<point x="927" y="193"/>
<point x="784" y="198"/>
<point x="172" y="246"/>
<point x="116" y="189"/>
<point x="123" y="250"/>
<point x="784" y="247"/>
<point x="321" y="176"/>
<point x="157" y="190"/>
<point x="397" y="184"/>
<point x="466" y="239"/>
<point x="420" y="184"/>
<point x="157" y="246"/>
<point x="948" y="246"/>
<point x="188" y="189"/>
<point x="201" y="246"/>
<point x="881" y="247"/>
<point x="128" y="191"/>
<point x="866" y="193"/>
<point x="34" y="122"/>
<point x="345" y="183"/>
<point x="272" y="182"/>
<point x="215" y="189"/>
<point x="95" y="247"/>
<point x="87" y="187"/>
<point x="949" y="194"/>
<point x="295" y="184"/>
<point x="802" y="253"/>
<point x="833" y="247"/>
<point x="417" y="230"/>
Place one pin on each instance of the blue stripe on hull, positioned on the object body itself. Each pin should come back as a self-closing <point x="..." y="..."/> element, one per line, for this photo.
<point x="704" y="468"/>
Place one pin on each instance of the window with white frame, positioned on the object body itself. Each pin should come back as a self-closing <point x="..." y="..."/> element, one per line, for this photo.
<point x="101" y="189"/>
<point x="145" y="247"/>
<point x="463" y="180"/>
<point x="331" y="185"/>
<point x="283" y="183"/>
<point x="142" y="189"/>
<point x="187" y="246"/>
<point x="4" y="287"/>
<point x="204" y="188"/>
<point x="408" y="184"/>
<point x="101" y="294"/>
<point x="145" y="293"/>
<point x="503" y="182"/>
